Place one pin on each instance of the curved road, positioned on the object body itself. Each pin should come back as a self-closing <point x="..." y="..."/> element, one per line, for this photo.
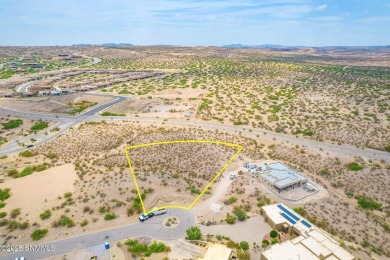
<point x="65" y="122"/>
<point x="152" y="228"/>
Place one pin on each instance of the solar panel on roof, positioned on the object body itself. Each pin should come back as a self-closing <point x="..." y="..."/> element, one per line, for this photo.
<point x="288" y="212"/>
<point x="307" y="224"/>
<point x="288" y="218"/>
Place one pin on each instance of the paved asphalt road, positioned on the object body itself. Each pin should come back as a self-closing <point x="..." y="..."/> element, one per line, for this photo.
<point x="24" y="87"/>
<point x="151" y="227"/>
<point x="65" y="122"/>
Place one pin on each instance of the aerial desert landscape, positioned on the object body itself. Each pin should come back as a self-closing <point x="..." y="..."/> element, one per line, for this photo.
<point x="323" y="113"/>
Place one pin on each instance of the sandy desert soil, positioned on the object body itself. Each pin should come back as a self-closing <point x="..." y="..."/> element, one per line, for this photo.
<point x="55" y="104"/>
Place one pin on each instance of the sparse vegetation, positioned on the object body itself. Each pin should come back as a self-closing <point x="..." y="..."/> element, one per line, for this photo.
<point x="39" y="126"/>
<point x="141" y="249"/>
<point x="45" y="215"/>
<point x="355" y="166"/>
<point x="12" y="124"/>
<point x="194" y="233"/>
<point x="39" y="234"/>
<point x="368" y="203"/>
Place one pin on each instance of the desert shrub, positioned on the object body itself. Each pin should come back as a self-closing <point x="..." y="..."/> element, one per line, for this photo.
<point x="39" y="126"/>
<point x="3" y="214"/>
<point x="387" y="148"/>
<point x="368" y="203"/>
<point x="51" y="155"/>
<point x="231" y="244"/>
<point x="39" y="234"/>
<point x="325" y="172"/>
<point x="110" y="216"/>
<point x="64" y="221"/>
<point x="265" y="243"/>
<point x="30" y="170"/>
<point x="4" y="156"/>
<point x="273" y="117"/>
<point x="305" y="132"/>
<point x="15" y="212"/>
<point x="84" y="223"/>
<point x="130" y="211"/>
<point x="244" y="245"/>
<point x="112" y="114"/>
<point x="301" y="211"/>
<point x="26" y="153"/>
<point x="12" y="173"/>
<point x="354" y="166"/>
<point x="3" y="222"/>
<point x="2" y="204"/>
<point x="138" y="248"/>
<point x="241" y="215"/>
<point x="45" y="215"/>
<point x="157" y="248"/>
<point x="230" y="219"/>
<point x="102" y="209"/>
<point x="274" y="241"/>
<point x="13" y="225"/>
<point x="5" y="194"/>
<point x="243" y="255"/>
<point x="273" y="233"/>
<point x="230" y="200"/>
<point x="261" y="203"/>
<point x="26" y="171"/>
<point x="194" y="233"/>
<point x="67" y="194"/>
<point x="12" y="124"/>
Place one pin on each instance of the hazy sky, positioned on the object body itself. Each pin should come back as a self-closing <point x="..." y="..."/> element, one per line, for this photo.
<point x="195" y="22"/>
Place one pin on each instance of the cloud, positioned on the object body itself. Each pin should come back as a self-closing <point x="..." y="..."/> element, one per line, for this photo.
<point x="321" y="7"/>
<point x="375" y="19"/>
<point x="327" y="18"/>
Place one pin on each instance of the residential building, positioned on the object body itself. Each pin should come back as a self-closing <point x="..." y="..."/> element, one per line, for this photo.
<point x="281" y="178"/>
<point x="309" y="242"/>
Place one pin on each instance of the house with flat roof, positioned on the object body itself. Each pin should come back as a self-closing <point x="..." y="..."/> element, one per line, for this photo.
<point x="217" y="251"/>
<point x="310" y="242"/>
<point x="281" y="218"/>
<point x="281" y="178"/>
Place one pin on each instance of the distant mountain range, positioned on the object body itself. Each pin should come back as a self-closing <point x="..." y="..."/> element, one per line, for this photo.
<point x="318" y="50"/>
<point x="266" y="45"/>
<point x="104" y="45"/>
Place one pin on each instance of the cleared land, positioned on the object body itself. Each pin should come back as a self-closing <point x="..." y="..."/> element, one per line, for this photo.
<point x="68" y="104"/>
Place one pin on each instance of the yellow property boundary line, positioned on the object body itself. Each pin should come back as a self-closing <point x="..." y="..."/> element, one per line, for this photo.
<point x="176" y="142"/>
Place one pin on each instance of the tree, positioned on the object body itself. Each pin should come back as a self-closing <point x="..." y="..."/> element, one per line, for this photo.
<point x="194" y="233"/>
<point x="244" y="245"/>
<point x="387" y="148"/>
<point x="273" y="233"/>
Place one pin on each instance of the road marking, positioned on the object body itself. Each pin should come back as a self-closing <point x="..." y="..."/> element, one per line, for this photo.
<point x="177" y="142"/>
